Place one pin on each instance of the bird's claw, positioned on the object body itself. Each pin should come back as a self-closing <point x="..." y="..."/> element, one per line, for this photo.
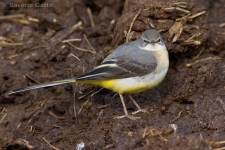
<point x="140" y="110"/>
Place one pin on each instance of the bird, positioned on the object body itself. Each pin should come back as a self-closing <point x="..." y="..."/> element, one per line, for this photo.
<point x="132" y="67"/>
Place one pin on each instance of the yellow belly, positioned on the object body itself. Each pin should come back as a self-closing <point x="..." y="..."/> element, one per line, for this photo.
<point x="134" y="85"/>
<point x="129" y="85"/>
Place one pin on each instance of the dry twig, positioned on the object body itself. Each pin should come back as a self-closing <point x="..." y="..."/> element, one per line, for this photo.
<point x="204" y="59"/>
<point x="21" y="18"/>
<point x="3" y="117"/>
<point x="32" y="79"/>
<point x="70" y="31"/>
<point x="74" y="56"/>
<point x="91" y="17"/>
<point x="104" y="106"/>
<point x="191" y="17"/>
<point x="178" y="116"/>
<point x="128" y="35"/>
<point x="7" y="44"/>
<point x="168" y="9"/>
<point x="191" y="41"/>
<point x="82" y="96"/>
<point x="49" y="144"/>
<point x="88" y="100"/>
<point x="81" y="49"/>
<point x="196" y="15"/>
<point x="222" y="24"/>
<point x="55" y="116"/>
<point x="3" y="110"/>
<point x="84" y="105"/>
<point x="12" y="16"/>
<point x="93" y="50"/>
<point x="71" y="40"/>
<point x="199" y="53"/>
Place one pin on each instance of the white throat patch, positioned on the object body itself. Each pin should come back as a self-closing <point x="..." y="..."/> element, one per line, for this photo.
<point x="151" y="47"/>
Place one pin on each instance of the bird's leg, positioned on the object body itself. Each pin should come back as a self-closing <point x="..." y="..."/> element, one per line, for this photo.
<point x="138" y="107"/>
<point x="125" y="110"/>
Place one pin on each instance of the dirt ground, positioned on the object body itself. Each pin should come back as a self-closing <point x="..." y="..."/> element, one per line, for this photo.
<point x="186" y="111"/>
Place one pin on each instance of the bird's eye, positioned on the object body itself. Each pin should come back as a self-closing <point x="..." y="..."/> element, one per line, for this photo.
<point x="158" y="41"/>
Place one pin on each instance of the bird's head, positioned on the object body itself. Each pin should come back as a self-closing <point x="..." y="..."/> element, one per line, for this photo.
<point x="151" y="40"/>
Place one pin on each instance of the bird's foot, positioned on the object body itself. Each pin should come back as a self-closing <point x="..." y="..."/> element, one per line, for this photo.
<point x="140" y="110"/>
<point x="128" y="116"/>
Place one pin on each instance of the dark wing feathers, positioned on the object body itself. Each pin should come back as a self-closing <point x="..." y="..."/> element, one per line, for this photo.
<point x="135" y="67"/>
<point x="124" y="68"/>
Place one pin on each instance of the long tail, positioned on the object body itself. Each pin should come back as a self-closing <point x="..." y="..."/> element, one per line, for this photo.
<point x="42" y="85"/>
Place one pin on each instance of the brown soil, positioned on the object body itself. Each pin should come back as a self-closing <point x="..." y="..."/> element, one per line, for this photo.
<point x="191" y="97"/>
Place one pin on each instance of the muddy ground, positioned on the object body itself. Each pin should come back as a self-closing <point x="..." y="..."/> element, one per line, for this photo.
<point x="186" y="111"/>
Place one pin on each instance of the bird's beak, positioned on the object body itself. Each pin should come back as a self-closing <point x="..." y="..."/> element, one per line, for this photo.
<point x="152" y="42"/>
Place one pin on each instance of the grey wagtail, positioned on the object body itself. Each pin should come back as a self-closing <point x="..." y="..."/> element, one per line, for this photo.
<point x="131" y="68"/>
